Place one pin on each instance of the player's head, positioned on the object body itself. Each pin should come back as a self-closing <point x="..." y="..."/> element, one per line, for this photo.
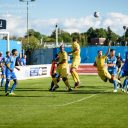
<point x="62" y="47"/>
<point x="14" y="52"/>
<point x="8" y="53"/>
<point x="74" y="39"/>
<point x="100" y="53"/>
<point x="112" y="52"/>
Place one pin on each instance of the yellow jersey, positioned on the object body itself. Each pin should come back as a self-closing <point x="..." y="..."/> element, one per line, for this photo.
<point x="100" y="62"/>
<point x="76" y="54"/>
<point x="63" y="56"/>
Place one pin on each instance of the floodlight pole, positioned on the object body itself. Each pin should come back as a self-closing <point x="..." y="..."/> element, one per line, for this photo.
<point x="27" y="25"/>
<point x="56" y="35"/>
<point x="27" y="2"/>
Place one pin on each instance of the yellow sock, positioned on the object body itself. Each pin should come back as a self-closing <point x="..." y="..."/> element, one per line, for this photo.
<point x="67" y="83"/>
<point x="73" y="76"/>
<point x="76" y="76"/>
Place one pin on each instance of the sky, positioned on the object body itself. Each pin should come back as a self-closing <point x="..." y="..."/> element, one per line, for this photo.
<point x="70" y="15"/>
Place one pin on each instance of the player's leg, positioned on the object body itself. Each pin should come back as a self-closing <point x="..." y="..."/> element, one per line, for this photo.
<point x="74" y="73"/>
<point x="125" y="84"/>
<point x="13" y="76"/>
<point x="114" y="73"/>
<point x="114" y="83"/>
<point x="6" y="86"/>
<point x="13" y="86"/>
<point x="65" y="80"/>
<point x="55" y="79"/>
<point x="55" y="84"/>
<point x="102" y="75"/>
<point x="110" y="77"/>
<point x="8" y="77"/>
<point x="121" y="74"/>
<point x="2" y="77"/>
<point x="64" y="75"/>
<point x="2" y="80"/>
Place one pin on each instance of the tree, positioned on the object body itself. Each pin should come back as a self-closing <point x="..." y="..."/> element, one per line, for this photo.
<point x="33" y="43"/>
<point x="83" y="39"/>
<point x="111" y="36"/>
<point x="62" y="36"/>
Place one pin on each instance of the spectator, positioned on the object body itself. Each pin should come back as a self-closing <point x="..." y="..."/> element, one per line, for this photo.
<point x="119" y="62"/>
<point x="1" y="56"/>
<point x="18" y="60"/>
<point x="23" y="60"/>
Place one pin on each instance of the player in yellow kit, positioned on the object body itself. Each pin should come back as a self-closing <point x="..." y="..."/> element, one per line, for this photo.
<point x="61" y="70"/>
<point x="101" y="67"/>
<point x="75" y="62"/>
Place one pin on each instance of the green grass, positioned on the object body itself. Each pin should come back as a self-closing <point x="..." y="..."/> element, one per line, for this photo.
<point x="94" y="105"/>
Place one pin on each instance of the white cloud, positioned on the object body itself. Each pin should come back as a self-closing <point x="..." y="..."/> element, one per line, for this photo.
<point x="17" y="25"/>
<point x="71" y="30"/>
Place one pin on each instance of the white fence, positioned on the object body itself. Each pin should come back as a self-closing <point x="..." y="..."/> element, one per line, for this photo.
<point x="33" y="71"/>
<point x="39" y="71"/>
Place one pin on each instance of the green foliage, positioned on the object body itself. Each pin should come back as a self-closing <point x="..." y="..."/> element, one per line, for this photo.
<point x="33" y="43"/>
<point x="36" y="39"/>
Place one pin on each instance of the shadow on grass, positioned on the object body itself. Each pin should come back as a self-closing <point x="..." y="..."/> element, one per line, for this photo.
<point x="90" y="92"/>
<point x="27" y="96"/>
<point x="34" y="96"/>
<point x="32" y="90"/>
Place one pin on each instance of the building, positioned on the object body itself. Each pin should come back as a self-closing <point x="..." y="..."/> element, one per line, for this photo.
<point x="98" y="41"/>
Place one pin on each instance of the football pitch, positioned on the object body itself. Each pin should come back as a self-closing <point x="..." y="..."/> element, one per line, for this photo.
<point x="93" y="105"/>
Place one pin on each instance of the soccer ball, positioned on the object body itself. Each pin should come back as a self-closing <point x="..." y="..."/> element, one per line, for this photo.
<point x="96" y="14"/>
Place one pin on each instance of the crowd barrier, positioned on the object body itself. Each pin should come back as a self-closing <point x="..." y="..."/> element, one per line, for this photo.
<point x="33" y="71"/>
<point x="40" y="71"/>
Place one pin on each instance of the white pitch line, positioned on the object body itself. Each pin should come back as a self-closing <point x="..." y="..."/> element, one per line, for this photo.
<point x="59" y="105"/>
<point x="73" y="102"/>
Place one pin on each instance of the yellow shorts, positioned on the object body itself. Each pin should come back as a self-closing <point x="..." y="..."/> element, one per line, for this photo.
<point x="104" y="74"/>
<point x="75" y="63"/>
<point x="62" y="71"/>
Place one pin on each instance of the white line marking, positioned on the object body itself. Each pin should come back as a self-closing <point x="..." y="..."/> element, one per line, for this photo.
<point x="59" y="105"/>
<point x="73" y="102"/>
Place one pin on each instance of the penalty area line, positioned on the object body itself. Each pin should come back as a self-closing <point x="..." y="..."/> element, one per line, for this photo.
<point x="73" y="102"/>
<point x="59" y="105"/>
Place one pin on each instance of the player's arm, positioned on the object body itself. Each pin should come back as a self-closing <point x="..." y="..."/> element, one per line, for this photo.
<point x="62" y="62"/>
<point x="108" y="51"/>
<point x="64" y="59"/>
<point x="7" y="65"/>
<point x="17" y="68"/>
<point x="111" y="65"/>
<point x="122" y="60"/>
<point x="76" y="49"/>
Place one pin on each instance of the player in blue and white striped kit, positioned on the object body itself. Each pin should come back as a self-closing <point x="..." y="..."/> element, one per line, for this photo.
<point x="10" y="74"/>
<point x="112" y="69"/>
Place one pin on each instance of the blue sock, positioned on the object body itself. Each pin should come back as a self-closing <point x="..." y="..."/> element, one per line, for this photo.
<point x="6" y="86"/>
<point x="115" y="84"/>
<point x="13" y="87"/>
<point x="2" y="82"/>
